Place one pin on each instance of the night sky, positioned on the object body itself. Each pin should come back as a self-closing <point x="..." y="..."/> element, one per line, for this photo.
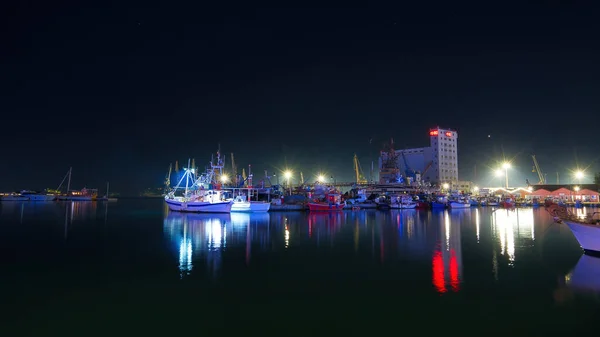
<point x="120" y="90"/>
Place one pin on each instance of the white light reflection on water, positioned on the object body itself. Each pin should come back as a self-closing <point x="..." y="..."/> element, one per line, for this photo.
<point x="185" y="255"/>
<point x="513" y="229"/>
<point x="581" y="213"/>
<point x="197" y="235"/>
<point x="447" y="229"/>
<point x="216" y="234"/>
<point x="504" y="230"/>
<point x="477" y="223"/>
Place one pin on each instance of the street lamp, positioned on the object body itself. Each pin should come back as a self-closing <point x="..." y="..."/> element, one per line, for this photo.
<point x="321" y="178"/>
<point x="288" y="176"/>
<point x="506" y="166"/>
<point x="224" y="178"/>
<point x="445" y="186"/>
<point x="579" y="175"/>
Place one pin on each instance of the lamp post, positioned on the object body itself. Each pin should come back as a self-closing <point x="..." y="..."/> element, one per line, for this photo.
<point x="506" y="166"/>
<point x="288" y="176"/>
<point x="579" y="175"/>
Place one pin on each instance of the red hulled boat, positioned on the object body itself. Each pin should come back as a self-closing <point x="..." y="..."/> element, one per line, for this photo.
<point x="333" y="202"/>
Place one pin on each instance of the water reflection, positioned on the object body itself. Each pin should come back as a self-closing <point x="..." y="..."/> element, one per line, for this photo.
<point x="585" y="277"/>
<point x="202" y="235"/>
<point x="447" y="255"/>
<point x="513" y="228"/>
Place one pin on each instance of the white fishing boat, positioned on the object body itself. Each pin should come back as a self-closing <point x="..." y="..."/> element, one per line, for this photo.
<point x="14" y="197"/>
<point x="585" y="229"/>
<point x="199" y="194"/>
<point x="35" y="196"/>
<point x="243" y="200"/>
<point x="403" y="202"/>
<point x="240" y="204"/>
<point x="460" y="203"/>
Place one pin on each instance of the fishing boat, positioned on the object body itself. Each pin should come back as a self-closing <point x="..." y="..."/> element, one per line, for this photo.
<point x="201" y="194"/>
<point x="585" y="229"/>
<point x="35" y="196"/>
<point x="404" y="202"/>
<point x="241" y="204"/>
<point x="325" y="207"/>
<point x="507" y="203"/>
<point x="460" y="203"/>
<point x="333" y="202"/>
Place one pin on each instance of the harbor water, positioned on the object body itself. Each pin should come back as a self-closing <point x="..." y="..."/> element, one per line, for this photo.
<point x="133" y="268"/>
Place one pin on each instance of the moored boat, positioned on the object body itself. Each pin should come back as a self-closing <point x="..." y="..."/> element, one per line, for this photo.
<point x="199" y="195"/>
<point x="403" y="203"/>
<point x="35" y="196"/>
<point x="208" y="202"/>
<point x="332" y="202"/>
<point x="14" y="197"/>
<point x="325" y="207"/>
<point x="240" y="204"/>
<point x="585" y="229"/>
<point x="507" y="203"/>
<point x="459" y="204"/>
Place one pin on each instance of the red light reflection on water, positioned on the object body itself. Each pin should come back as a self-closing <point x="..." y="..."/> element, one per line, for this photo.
<point x="438" y="272"/>
<point x="454" y="281"/>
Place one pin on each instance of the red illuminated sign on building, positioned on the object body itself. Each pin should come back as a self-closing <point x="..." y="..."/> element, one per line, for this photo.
<point x="448" y="134"/>
<point x="433" y="132"/>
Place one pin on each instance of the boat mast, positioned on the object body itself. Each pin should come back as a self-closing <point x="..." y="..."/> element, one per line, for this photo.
<point x="187" y="176"/>
<point x="69" y="181"/>
<point x="107" y="189"/>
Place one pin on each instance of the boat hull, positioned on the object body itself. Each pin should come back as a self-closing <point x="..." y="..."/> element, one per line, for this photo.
<point x="14" y="198"/>
<point x="76" y="198"/>
<point x="41" y="197"/>
<point x="199" y="207"/>
<point x="459" y="205"/>
<point x="438" y="205"/>
<point x="250" y="207"/>
<point x="588" y="236"/>
<point x="314" y="207"/>
<point x="409" y="205"/>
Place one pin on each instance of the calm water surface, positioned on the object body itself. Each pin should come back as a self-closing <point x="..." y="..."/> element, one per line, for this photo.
<point x="132" y="267"/>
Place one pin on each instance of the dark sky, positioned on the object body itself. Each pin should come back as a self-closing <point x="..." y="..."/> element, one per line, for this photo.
<point x="119" y="90"/>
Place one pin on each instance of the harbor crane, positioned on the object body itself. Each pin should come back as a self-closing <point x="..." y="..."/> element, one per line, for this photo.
<point x="360" y="177"/>
<point x="538" y="170"/>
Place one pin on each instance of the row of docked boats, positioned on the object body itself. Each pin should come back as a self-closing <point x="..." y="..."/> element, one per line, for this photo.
<point x="439" y="202"/>
<point x="83" y="195"/>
